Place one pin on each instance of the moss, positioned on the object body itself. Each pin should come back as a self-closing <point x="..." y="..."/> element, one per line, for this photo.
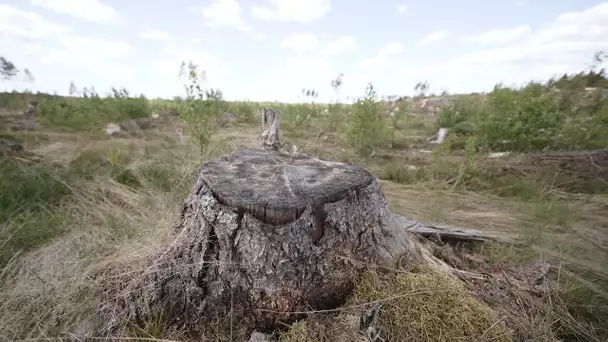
<point x="427" y="306"/>
<point x="423" y="306"/>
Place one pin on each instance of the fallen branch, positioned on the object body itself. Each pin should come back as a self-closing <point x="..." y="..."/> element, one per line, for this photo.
<point x="445" y="232"/>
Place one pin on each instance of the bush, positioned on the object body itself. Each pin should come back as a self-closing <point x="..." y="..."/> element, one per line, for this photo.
<point x="199" y="107"/>
<point x="91" y="113"/>
<point x="367" y="129"/>
<point x="462" y="110"/>
<point x="532" y="118"/>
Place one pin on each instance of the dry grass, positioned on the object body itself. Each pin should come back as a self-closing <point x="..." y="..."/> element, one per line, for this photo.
<point x="111" y="226"/>
<point x="52" y="289"/>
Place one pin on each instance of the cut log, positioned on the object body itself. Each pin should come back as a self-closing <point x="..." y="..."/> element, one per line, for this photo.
<point x="450" y="233"/>
<point x="264" y="233"/>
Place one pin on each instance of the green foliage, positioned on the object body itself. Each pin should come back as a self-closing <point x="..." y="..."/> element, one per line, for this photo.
<point x="91" y="112"/>
<point x="528" y="118"/>
<point x="245" y="110"/>
<point x="583" y="79"/>
<point x="462" y="110"/>
<point x="337" y="116"/>
<point x="299" y="116"/>
<point x="200" y="106"/>
<point x="367" y="129"/>
<point x="535" y="117"/>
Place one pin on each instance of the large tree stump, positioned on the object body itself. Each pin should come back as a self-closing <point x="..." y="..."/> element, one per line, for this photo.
<point x="264" y="233"/>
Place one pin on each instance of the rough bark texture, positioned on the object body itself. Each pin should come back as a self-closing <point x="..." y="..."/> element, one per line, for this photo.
<point x="266" y="233"/>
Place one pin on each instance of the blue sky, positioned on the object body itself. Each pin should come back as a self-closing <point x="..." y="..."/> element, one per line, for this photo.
<point x="271" y="49"/>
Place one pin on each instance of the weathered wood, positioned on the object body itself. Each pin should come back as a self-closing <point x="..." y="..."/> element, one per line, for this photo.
<point x="264" y="233"/>
<point x="30" y="115"/>
<point x="445" y="232"/>
<point x="270" y="138"/>
<point x="276" y="189"/>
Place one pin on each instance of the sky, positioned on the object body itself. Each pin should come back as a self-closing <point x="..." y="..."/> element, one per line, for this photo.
<point x="269" y="50"/>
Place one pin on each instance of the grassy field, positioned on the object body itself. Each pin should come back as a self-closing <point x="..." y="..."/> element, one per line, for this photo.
<point x="81" y="211"/>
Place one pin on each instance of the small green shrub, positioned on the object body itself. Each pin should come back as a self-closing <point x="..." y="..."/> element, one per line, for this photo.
<point x="367" y="129"/>
<point x="461" y="111"/>
<point x="245" y="110"/>
<point x="336" y="116"/>
<point x="200" y="106"/>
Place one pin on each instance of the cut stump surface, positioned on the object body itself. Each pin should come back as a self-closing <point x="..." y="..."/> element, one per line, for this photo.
<point x="276" y="187"/>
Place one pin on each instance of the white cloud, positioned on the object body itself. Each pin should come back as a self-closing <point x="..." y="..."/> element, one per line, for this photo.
<point x="340" y="46"/>
<point x="382" y="56"/>
<point x="302" y="11"/>
<point x="401" y="8"/>
<point x="434" y="37"/>
<point x="89" y="52"/>
<point x="167" y="76"/>
<point x="258" y="36"/>
<point x="26" y="25"/>
<point x="301" y="42"/>
<point x="498" y="36"/>
<point x="30" y="37"/>
<point x="301" y="72"/>
<point x="91" y="46"/>
<point x="89" y="10"/>
<point x="222" y="13"/>
<point x="154" y="34"/>
<point x="565" y="44"/>
<point x="391" y="49"/>
<point x="215" y="69"/>
<point x="226" y="14"/>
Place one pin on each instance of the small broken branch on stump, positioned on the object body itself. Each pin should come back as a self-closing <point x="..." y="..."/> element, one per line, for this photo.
<point x="450" y="232"/>
<point x="30" y="115"/>
<point x="270" y="139"/>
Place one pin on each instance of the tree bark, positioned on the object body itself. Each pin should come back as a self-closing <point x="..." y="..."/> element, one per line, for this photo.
<point x="264" y="233"/>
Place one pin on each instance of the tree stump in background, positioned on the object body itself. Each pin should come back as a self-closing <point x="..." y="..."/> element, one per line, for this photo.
<point x="30" y="115"/>
<point x="270" y="137"/>
<point x="264" y="233"/>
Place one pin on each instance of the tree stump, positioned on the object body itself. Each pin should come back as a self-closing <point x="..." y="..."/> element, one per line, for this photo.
<point x="270" y="137"/>
<point x="30" y="115"/>
<point x="265" y="233"/>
